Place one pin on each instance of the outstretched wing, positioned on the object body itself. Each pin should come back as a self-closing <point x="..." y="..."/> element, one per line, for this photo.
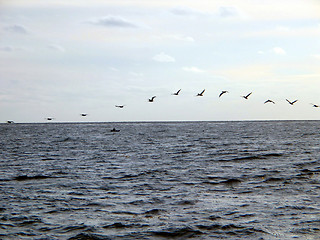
<point x="248" y="95"/>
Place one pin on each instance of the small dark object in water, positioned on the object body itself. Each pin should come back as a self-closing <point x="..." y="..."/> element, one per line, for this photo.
<point x="10" y="121"/>
<point x="114" y="130"/>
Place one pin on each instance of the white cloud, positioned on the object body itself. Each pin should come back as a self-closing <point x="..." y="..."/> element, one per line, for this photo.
<point x="113" y="21"/>
<point x="136" y="74"/>
<point x="56" y="47"/>
<point x="316" y="56"/>
<point x="16" y="29"/>
<point x="114" y="69"/>
<point x="279" y="51"/>
<point x="176" y="37"/>
<point x="162" y="57"/>
<point x="183" y="38"/>
<point x="193" y="69"/>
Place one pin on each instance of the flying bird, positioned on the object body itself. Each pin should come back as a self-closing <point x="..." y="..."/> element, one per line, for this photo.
<point x="291" y="103"/>
<point x="84" y="114"/>
<point x="120" y="106"/>
<point x="223" y="92"/>
<point x="314" y="105"/>
<point x="151" y="99"/>
<point x="201" y="94"/>
<point x="177" y="93"/>
<point x="269" y="101"/>
<point x="246" y="97"/>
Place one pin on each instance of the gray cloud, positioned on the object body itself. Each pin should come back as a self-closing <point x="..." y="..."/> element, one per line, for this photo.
<point x="56" y="47"/>
<point x="16" y="29"/>
<point x="11" y="49"/>
<point x="185" y="11"/>
<point x="228" y="12"/>
<point x="7" y="49"/>
<point x="113" y="21"/>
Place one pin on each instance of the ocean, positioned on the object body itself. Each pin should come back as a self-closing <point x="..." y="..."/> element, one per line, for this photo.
<point x="160" y="180"/>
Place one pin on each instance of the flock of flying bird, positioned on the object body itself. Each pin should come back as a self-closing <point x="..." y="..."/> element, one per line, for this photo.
<point x="198" y="95"/>
<point x="224" y="92"/>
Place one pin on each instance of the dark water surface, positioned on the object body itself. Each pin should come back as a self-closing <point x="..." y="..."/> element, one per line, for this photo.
<point x="196" y="180"/>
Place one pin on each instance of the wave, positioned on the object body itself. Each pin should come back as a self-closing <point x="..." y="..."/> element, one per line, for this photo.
<point x="26" y="178"/>
<point x="231" y="229"/>
<point x="185" y="232"/>
<point x="89" y="236"/>
<point x="254" y="157"/>
<point x="119" y="225"/>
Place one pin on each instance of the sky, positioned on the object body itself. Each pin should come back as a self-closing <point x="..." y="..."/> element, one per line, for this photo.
<point x="63" y="58"/>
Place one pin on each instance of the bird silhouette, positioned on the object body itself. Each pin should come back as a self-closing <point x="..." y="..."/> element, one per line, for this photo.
<point x="201" y="94"/>
<point x="246" y="97"/>
<point x="223" y="92"/>
<point x="177" y="93"/>
<point x="84" y="114"/>
<point x="151" y="99"/>
<point x="120" y="106"/>
<point x="291" y="103"/>
<point x="314" y="105"/>
<point x="269" y="101"/>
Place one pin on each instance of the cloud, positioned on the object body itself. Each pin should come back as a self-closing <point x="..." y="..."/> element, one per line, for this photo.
<point x="193" y="69"/>
<point x="225" y="12"/>
<point x="113" y="21"/>
<point x="316" y="56"/>
<point x="16" y="29"/>
<point x="7" y="49"/>
<point x="279" y="51"/>
<point x="176" y="37"/>
<point x="182" y="38"/>
<point x="12" y="49"/>
<point x="136" y="74"/>
<point x="185" y="11"/>
<point x="162" y="57"/>
<point x="56" y="47"/>
<point x="114" y="69"/>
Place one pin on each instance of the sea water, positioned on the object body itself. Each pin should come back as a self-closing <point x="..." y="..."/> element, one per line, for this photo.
<point x="160" y="180"/>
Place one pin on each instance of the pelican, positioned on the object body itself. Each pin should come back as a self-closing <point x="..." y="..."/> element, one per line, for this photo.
<point x="84" y="114"/>
<point x="120" y="106"/>
<point x="314" y="105"/>
<point x="177" y="93"/>
<point x="269" y="101"/>
<point x="151" y="99"/>
<point x="201" y="94"/>
<point x="291" y="103"/>
<point x="223" y="92"/>
<point x="246" y="97"/>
